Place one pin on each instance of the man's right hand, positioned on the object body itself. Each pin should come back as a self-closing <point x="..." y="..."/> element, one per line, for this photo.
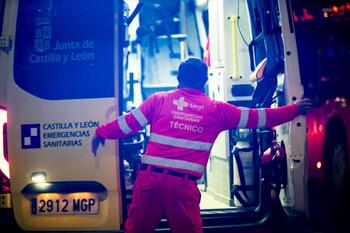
<point x="95" y="143"/>
<point x="304" y="105"/>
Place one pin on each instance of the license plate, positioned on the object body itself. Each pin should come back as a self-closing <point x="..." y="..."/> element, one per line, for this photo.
<point x="74" y="203"/>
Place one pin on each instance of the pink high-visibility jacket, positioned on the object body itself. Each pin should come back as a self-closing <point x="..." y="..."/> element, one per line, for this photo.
<point x="184" y="125"/>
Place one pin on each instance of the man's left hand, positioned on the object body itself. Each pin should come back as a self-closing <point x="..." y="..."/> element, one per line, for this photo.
<point x="95" y="143"/>
<point x="304" y="105"/>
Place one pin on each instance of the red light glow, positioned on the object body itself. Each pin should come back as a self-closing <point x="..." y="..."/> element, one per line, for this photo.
<point x="335" y="9"/>
<point x="4" y="165"/>
<point x="295" y="17"/>
<point x="306" y="16"/>
<point x="320" y="128"/>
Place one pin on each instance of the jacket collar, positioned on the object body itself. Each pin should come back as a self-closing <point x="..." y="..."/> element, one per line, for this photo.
<point x="190" y="91"/>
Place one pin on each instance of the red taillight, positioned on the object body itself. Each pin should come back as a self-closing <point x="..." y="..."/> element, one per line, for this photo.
<point x="5" y="148"/>
<point x="4" y="183"/>
<point x="4" y="165"/>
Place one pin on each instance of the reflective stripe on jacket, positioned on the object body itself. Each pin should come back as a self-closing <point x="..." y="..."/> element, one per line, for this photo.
<point x="185" y="123"/>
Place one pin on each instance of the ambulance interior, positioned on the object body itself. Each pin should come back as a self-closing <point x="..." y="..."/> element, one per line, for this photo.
<point x="163" y="34"/>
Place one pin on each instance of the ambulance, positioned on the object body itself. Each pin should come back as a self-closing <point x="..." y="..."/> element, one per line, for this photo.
<point x="67" y="67"/>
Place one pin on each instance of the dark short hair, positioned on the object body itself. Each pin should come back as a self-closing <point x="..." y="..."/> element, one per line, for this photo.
<point x="193" y="72"/>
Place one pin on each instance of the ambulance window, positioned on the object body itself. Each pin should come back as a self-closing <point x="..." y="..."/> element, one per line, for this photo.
<point x="2" y="8"/>
<point x="65" y="49"/>
<point x="323" y="34"/>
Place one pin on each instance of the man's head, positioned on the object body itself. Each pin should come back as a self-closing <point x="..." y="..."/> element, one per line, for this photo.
<point x="193" y="73"/>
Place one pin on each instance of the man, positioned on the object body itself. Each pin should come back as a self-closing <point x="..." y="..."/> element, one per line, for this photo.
<point x="184" y="125"/>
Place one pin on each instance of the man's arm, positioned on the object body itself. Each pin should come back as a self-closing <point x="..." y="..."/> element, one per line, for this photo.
<point x="304" y="105"/>
<point x="236" y="117"/>
<point x="126" y="124"/>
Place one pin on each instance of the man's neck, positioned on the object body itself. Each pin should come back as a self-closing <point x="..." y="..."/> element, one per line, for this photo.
<point x="185" y="86"/>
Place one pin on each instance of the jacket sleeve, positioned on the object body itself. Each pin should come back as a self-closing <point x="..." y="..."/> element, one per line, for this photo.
<point x="237" y="117"/>
<point x="131" y="122"/>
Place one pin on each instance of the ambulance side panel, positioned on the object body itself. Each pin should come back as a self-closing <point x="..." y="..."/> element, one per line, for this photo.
<point x="62" y="85"/>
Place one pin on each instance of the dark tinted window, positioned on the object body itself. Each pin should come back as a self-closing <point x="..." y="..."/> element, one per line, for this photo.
<point x="2" y="9"/>
<point x="323" y="37"/>
<point x="65" y="49"/>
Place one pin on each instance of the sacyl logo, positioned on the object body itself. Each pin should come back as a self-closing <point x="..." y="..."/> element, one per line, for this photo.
<point x="30" y="135"/>
<point x="180" y="103"/>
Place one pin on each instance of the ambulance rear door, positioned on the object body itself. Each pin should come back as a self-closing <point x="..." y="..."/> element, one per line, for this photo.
<point x="274" y="39"/>
<point x="63" y="84"/>
<point x="294" y="198"/>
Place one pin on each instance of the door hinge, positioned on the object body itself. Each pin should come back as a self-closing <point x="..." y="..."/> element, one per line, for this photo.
<point x="6" y="43"/>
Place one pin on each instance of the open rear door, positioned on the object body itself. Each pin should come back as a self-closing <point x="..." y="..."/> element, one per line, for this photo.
<point x="294" y="197"/>
<point x="274" y="39"/>
<point x="62" y="85"/>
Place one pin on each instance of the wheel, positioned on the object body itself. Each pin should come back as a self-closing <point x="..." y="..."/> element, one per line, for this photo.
<point x="337" y="165"/>
<point x="336" y="203"/>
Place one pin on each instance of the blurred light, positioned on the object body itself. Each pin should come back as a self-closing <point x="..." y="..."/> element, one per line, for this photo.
<point x="325" y="78"/>
<point x="4" y="165"/>
<point x="295" y="17"/>
<point x="347" y="6"/>
<point x="319" y="165"/>
<point x="43" y="187"/>
<point x="82" y="195"/>
<point x="325" y="14"/>
<point x="341" y="101"/>
<point x="48" y="195"/>
<point x="314" y="127"/>
<point x="335" y="9"/>
<point x="38" y="177"/>
<point x="320" y="128"/>
<point x="306" y="15"/>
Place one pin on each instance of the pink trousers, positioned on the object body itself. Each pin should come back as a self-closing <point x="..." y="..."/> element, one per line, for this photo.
<point x="161" y="195"/>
